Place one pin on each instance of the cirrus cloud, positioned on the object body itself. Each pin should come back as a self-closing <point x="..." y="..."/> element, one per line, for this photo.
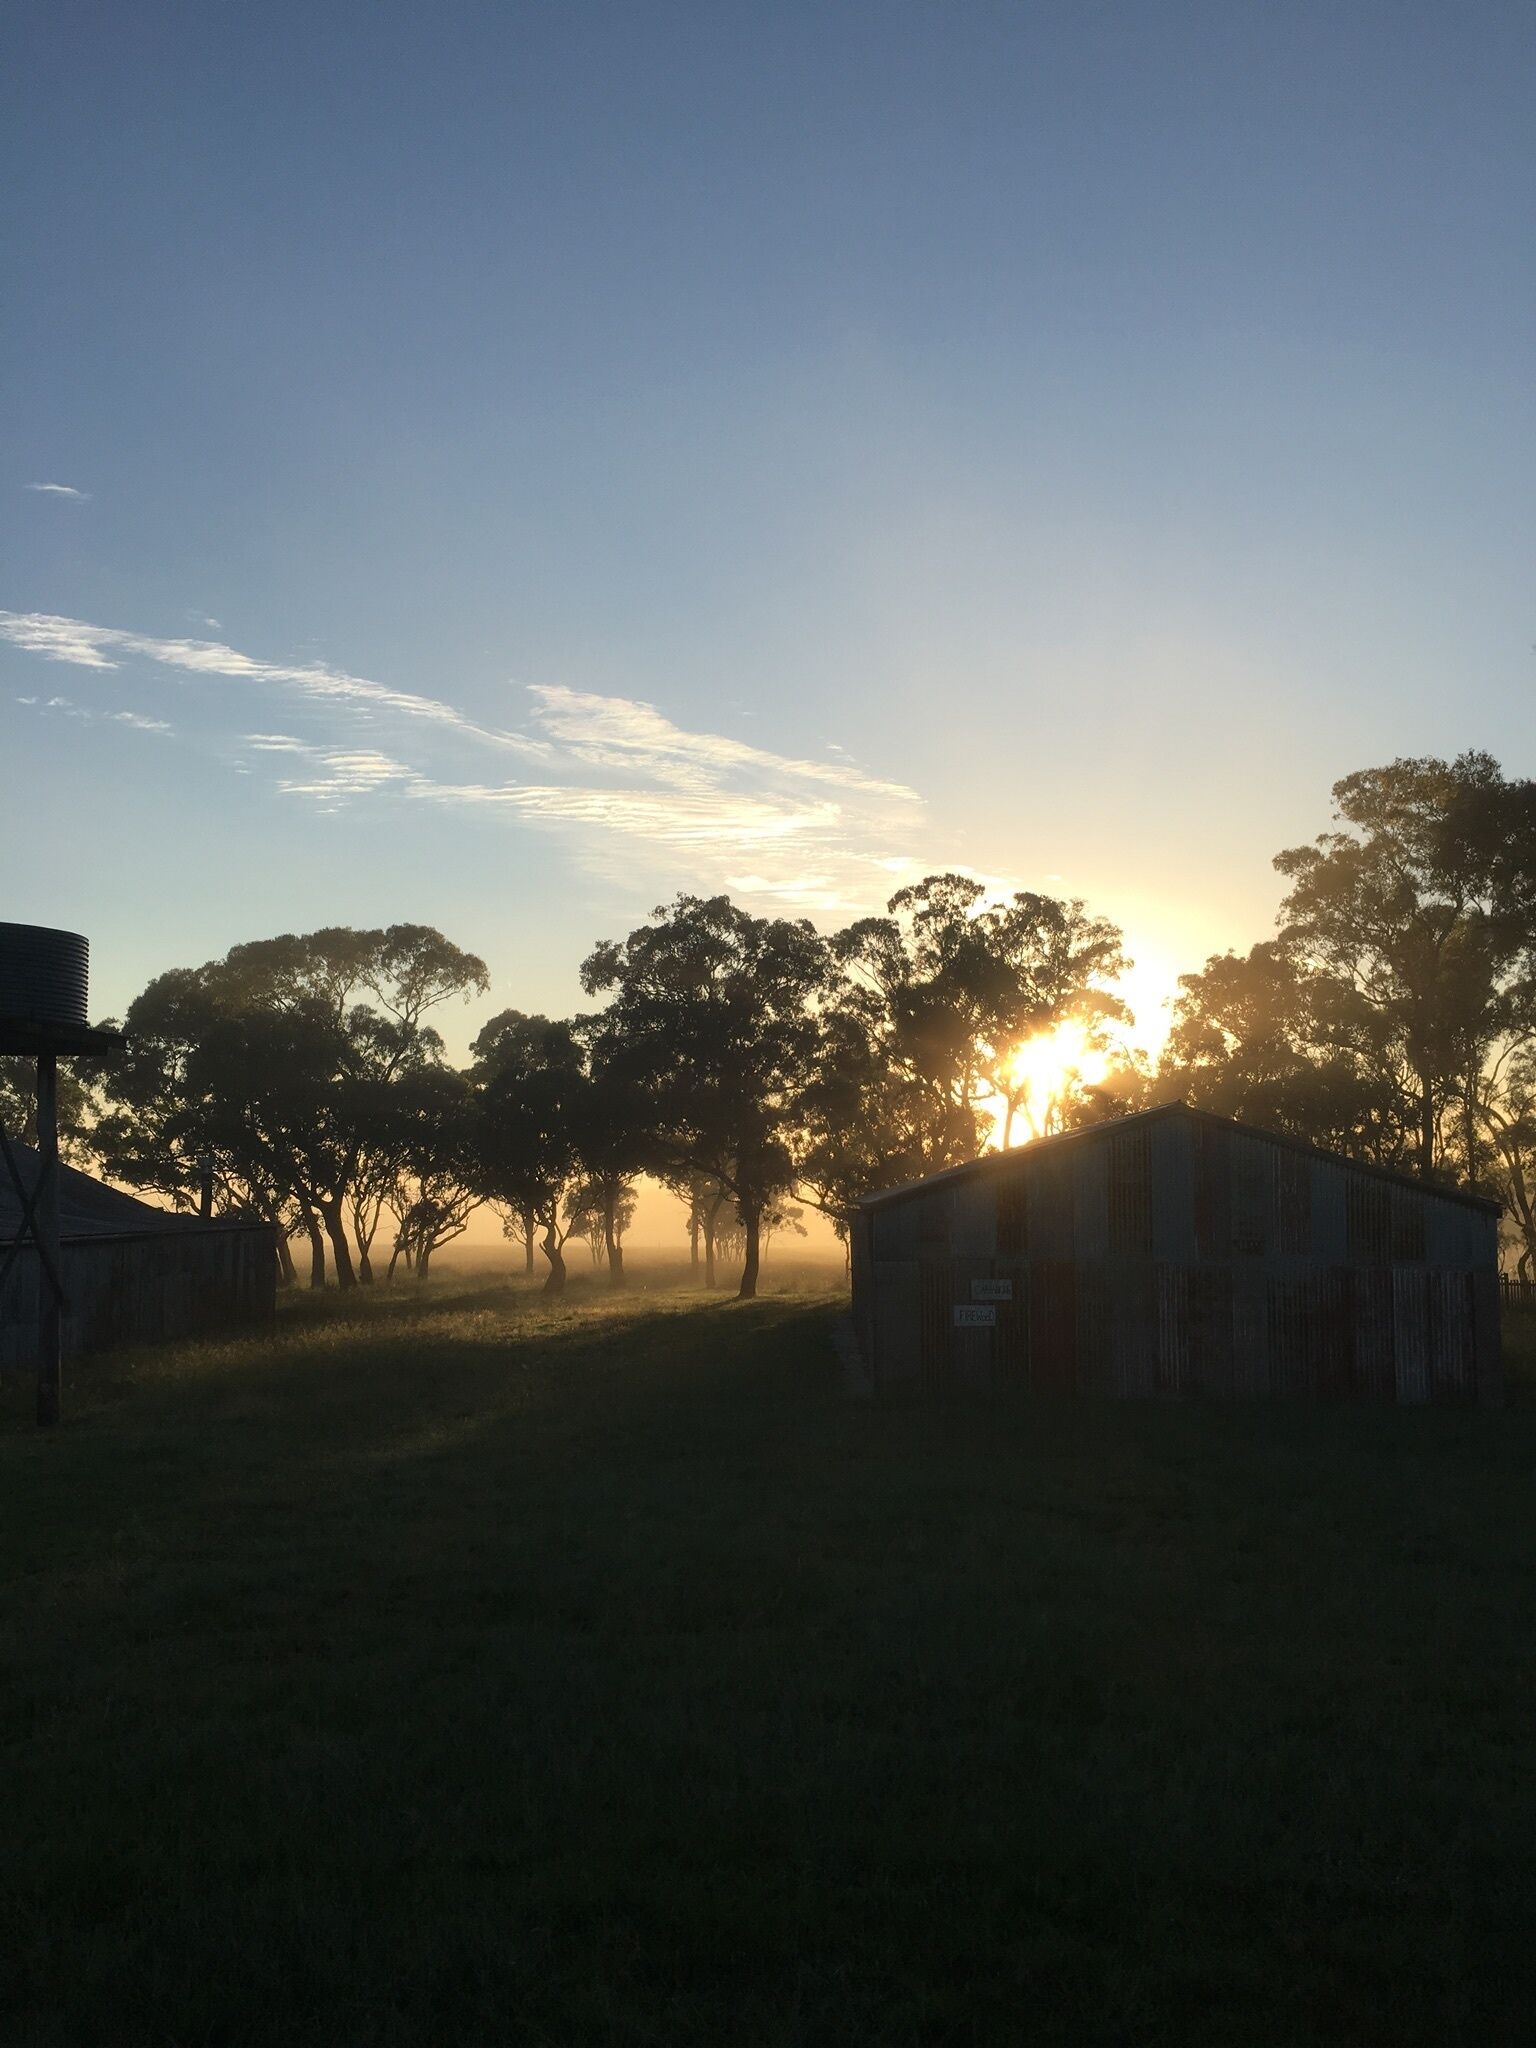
<point x="627" y="787"/>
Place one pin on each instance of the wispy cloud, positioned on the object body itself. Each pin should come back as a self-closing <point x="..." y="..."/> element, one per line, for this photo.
<point x="68" y="708"/>
<point x="622" y="732"/>
<point x="59" y="491"/>
<point x="667" y="817"/>
<point x="634" y="794"/>
<point x="349" y="774"/>
<point x="139" y="722"/>
<point x="102" y="647"/>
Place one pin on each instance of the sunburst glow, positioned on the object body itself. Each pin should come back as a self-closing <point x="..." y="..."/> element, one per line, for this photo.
<point x="1048" y="1069"/>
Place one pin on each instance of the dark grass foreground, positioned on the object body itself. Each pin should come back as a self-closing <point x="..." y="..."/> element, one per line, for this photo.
<point x="467" y="1672"/>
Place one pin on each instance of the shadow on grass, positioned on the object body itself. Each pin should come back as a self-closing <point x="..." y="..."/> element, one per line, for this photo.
<point x="494" y="1671"/>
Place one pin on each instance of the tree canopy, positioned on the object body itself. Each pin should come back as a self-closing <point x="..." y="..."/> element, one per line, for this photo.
<point x="753" y="1065"/>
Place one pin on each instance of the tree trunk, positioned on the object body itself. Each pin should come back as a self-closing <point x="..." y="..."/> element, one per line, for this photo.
<point x="393" y="1260"/>
<point x="341" y="1250"/>
<point x="1426" y="1127"/>
<point x="530" y="1225"/>
<point x="316" y="1249"/>
<point x="751" y="1223"/>
<point x="709" y="1251"/>
<point x="693" y="1240"/>
<point x="286" y="1276"/>
<point x="423" y="1262"/>
<point x="554" y="1279"/>
<point x="611" y="1243"/>
<point x="364" y="1265"/>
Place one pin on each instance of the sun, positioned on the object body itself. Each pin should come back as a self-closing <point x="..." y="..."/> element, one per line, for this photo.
<point x="1047" y="1071"/>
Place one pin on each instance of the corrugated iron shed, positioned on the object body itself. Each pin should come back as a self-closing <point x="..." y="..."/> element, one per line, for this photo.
<point x="133" y="1274"/>
<point x="1175" y="1252"/>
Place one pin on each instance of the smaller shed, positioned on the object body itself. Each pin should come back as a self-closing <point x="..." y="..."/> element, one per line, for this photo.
<point x="1175" y="1252"/>
<point x="133" y="1274"/>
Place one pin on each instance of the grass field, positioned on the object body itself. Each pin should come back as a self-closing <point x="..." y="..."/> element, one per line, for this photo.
<point x="459" y="1670"/>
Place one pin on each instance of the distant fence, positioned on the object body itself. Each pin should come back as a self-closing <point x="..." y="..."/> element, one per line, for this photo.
<point x="1519" y="1295"/>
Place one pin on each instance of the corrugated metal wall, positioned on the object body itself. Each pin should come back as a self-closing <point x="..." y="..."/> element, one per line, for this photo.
<point x="1176" y="1255"/>
<point x="144" y="1290"/>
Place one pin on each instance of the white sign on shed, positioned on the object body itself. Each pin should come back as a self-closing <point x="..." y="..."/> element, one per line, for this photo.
<point x="970" y="1315"/>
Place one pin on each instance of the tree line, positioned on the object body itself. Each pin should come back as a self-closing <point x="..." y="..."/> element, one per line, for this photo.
<point x="753" y="1064"/>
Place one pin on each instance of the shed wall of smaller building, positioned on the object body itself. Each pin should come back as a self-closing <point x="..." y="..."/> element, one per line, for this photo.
<point x="147" y="1289"/>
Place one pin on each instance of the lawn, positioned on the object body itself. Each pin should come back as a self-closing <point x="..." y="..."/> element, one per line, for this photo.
<point x="461" y="1670"/>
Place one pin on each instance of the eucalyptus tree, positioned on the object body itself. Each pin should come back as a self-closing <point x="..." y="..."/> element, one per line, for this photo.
<point x="76" y="1106"/>
<point x="532" y="1094"/>
<point x="1416" y="911"/>
<point x="1261" y="1038"/>
<point x="920" y="1036"/>
<point x="703" y="1200"/>
<point x="713" y="1013"/>
<point x="602" y="1212"/>
<point x="275" y="1064"/>
<point x="434" y="1115"/>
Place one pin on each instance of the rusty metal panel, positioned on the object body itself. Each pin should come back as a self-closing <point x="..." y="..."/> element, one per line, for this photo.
<point x="936" y="1324"/>
<point x="1407" y="1227"/>
<point x="1250" y="1329"/>
<point x="972" y="1367"/>
<point x="1012" y="1212"/>
<point x="1127" y="1357"/>
<point x="1300" y="1184"/>
<point x="1327" y="1238"/>
<point x="1333" y="1331"/>
<point x="896" y="1230"/>
<point x="1130" y="1193"/>
<point x="1211" y="1171"/>
<point x="1090" y="1197"/>
<point x="1452" y="1235"/>
<point x="935" y="1223"/>
<point x="974" y="1226"/>
<point x="1410" y="1333"/>
<point x="1093" y="1345"/>
<point x="1368" y="1221"/>
<point x="1171" y="1169"/>
<point x="1210" y="1330"/>
<point x="1375" y="1372"/>
<point x="1050" y="1197"/>
<point x="1012" y="1348"/>
<point x="1251" y="1195"/>
<point x="1292" y="1310"/>
<point x="1173" y="1349"/>
<point x="1452" y="1351"/>
<point x="896" y="1360"/>
<point x="1053" y="1325"/>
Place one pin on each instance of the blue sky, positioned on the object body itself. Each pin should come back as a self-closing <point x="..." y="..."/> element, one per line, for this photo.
<point x="532" y="459"/>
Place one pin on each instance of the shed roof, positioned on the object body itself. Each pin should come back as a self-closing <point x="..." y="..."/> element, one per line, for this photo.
<point x="991" y="1162"/>
<point x="87" y="1206"/>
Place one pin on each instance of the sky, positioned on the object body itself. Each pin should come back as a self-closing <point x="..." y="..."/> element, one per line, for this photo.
<point x="499" y="466"/>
